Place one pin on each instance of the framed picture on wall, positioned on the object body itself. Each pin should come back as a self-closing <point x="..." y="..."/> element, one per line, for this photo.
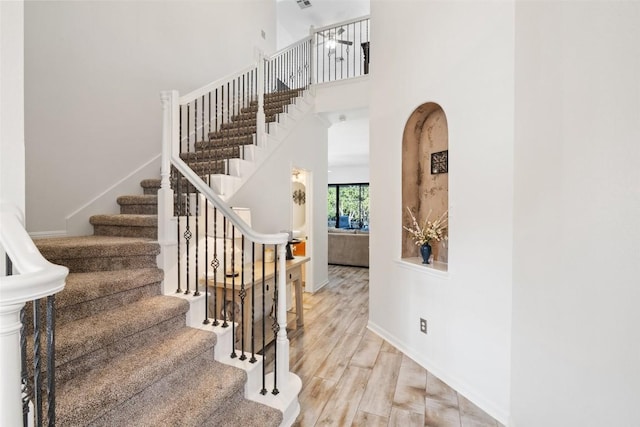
<point x="440" y="162"/>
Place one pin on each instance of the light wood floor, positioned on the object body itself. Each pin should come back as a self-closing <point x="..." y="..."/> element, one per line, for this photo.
<point x="352" y="377"/>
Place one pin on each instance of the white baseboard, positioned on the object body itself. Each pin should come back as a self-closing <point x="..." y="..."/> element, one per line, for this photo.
<point x="500" y="414"/>
<point x="52" y="233"/>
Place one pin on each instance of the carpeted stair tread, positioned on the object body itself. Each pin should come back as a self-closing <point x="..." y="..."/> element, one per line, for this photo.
<point x="88" y="396"/>
<point x="250" y="413"/>
<point x="209" y="167"/>
<point x="188" y="397"/>
<point x="125" y="225"/>
<point x="86" y="294"/>
<point x="213" y="153"/>
<point x="95" y="246"/>
<point x="83" y="336"/>
<point x="226" y="142"/>
<point x="140" y="199"/>
<point x="129" y="220"/>
<point x="150" y="186"/>
<point x="228" y="133"/>
<point x="144" y="204"/>
<point x="83" y="287"/>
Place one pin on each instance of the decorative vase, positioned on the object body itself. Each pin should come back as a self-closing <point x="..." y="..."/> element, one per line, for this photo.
<point x="425" y="251"/>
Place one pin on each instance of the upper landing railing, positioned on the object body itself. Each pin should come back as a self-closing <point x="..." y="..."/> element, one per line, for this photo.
<point x="341" y="51"/>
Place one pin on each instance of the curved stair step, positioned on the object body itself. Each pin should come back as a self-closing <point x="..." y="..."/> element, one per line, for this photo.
<point x="86" y="294"/>
<point x="99" y="253"/>
<point x="145" y="204"/>
<point x="125" y="225"/>
<point x="87" y="397"/>
<point x="196" y="394"/>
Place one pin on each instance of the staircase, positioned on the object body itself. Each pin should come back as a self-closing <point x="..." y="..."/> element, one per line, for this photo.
<point x="124" y="355"/>
<point x="233" y="152"/>
<point x="234" y="137"/>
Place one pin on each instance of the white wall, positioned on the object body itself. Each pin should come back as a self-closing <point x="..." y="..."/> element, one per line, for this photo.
<point x="349" y="174"/>
<point x="93" y="74"/>
<point x="349" y="151"/>
<point x="576" y="275"/>
<point x="12" y="104"/>
<point x="268" y="192"/>
<point x="459" y="55"/>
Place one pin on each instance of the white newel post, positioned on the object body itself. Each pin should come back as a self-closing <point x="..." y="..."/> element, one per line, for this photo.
<point x="260" y="119"/>
<point x="282" y="342"/>
<point x="167" y="260"/>
<point x="10" y="365"/>
<point x="34" y="278"/>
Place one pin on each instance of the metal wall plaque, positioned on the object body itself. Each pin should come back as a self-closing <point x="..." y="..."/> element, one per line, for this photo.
<point x="440" y="162"/>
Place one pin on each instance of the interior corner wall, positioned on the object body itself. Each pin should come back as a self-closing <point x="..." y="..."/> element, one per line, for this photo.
<point x="12" y="169"/>
<point x="93" y="76"/>
<point x="576" y="272"/>
<point x="459" y="55"/>
<point x="268" y="192"/>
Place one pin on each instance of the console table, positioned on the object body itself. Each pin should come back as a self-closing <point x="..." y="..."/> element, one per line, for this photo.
<point x="295" y="317"/>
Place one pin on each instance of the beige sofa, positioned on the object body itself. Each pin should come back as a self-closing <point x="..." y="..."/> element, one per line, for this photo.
<point x="348" y="247"/>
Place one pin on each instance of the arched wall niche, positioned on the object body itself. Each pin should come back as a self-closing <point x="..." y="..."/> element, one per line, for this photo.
<point x="425" y="132"/>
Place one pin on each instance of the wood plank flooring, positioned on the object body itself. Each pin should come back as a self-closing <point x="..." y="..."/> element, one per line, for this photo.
<point x="352" y="377"/>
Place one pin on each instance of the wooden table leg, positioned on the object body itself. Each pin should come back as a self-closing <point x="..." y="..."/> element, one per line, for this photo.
<point x="299" y="309"/>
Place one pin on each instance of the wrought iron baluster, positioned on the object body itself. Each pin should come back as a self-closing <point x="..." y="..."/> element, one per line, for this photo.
<point x="27" y="391"/>
<point x="202" y="118"/>
<point x="37" y="364"/>
<point x="224" y="275"/>
<point x="275" y="326"/>
<point x="215" y="263"/>
<point x="233" y="290"/>
<point x="263" y="391"/>
<point x="178" y="211"/>
<point x="253" y="303"/>
<point x="243" y="294"/>
<point x="51" y="359"/>
<point x="196" y="194"/>
<point x="206" y="258"/>
<point x="187" y="233"/>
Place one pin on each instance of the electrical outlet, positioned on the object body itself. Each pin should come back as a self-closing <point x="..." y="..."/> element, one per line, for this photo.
<point x="423" y="325"/>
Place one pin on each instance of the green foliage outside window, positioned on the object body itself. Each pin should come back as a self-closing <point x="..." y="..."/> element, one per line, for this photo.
<point x="348" y="200"/>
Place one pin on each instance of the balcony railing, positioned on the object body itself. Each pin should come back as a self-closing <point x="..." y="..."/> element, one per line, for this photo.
<point x="341" y="51"/>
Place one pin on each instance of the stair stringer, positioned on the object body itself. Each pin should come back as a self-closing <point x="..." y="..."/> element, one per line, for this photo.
<point x="241" y="170"/>
<point x="286" y="401"/>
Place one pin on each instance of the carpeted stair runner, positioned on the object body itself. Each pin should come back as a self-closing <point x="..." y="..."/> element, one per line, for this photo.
<point x="228" y="142"/>
<point x="124" y="355"/>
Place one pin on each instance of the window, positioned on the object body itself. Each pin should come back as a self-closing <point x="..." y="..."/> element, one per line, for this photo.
<point x="348" y="206"/>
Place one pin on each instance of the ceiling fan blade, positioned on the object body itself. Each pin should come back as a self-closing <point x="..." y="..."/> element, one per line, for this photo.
<point x="347" y="42"/>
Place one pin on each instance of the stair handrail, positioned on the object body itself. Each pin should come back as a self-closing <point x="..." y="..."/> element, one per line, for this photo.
<point x="341" y="24"/>
<point x="171" y="158"/>
<point x="36" y="278"/>
<point x="197" y="93"/>
<point x="225" y="209"/>
<point x="289" y="47"/>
